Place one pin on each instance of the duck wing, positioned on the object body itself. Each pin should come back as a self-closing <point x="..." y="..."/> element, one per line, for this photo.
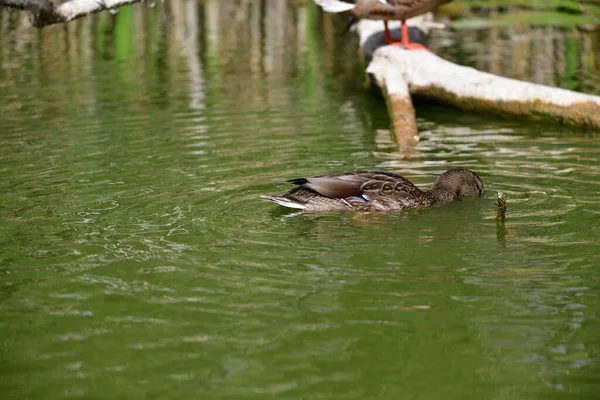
<point x="372" y="184"/>
<point x="389" y="185"/>
<point x="335" y="186"/>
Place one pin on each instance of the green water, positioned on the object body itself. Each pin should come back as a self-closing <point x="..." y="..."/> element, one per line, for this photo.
<point x="138" y="261"/>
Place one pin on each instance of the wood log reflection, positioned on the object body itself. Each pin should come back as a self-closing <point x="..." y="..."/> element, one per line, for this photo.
<point x="267" y="40"/>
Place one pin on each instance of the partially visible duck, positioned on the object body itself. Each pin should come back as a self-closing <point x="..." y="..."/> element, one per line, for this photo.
<point x="385" y="10"/>
<point x="376" y="191"/>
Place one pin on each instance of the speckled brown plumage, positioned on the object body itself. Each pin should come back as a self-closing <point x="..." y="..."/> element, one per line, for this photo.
<point x="384" y="10"/>
<point x="376" y="191"/>
<point x="394" y="9"/>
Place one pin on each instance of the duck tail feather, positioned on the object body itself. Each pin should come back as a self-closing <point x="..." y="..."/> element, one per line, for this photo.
<point x="297" y="181"/>
<point x="285" y="202"/>
<point x="334" y="6"/>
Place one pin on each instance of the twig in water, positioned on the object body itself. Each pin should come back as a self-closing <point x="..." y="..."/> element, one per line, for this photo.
<point x="501" y="212"/>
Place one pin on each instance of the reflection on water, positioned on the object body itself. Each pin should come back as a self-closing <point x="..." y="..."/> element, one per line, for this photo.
<point x="138" y="258"/>
<point x="545" y="55"/>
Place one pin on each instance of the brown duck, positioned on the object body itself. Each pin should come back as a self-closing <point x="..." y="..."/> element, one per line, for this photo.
<point x="385" y="10"/>
<point x="376" y="191"/>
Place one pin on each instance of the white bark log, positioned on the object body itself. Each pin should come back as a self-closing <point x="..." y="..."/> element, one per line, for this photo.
<point x="45" y="12"/>
<point x="400" y="73"/>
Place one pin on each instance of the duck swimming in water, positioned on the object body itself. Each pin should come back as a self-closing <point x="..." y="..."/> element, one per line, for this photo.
<point x="376" y="191"/>
<point x="384" y="10"/>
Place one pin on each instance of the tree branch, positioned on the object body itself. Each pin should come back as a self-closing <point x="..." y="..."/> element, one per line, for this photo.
<point x="45" y="12"/>
<point x="401" y="73"/>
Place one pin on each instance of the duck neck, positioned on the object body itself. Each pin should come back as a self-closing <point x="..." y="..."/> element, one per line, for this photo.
<point x="439" y="195"/>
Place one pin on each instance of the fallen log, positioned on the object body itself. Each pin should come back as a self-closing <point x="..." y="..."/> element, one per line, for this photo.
<point x="401" y="73"/>
<point x="46" y="12"/>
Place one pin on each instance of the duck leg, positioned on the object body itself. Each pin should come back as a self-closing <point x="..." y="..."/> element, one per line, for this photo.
<point x="388" y="37"/>
<point x="405" y="40"/>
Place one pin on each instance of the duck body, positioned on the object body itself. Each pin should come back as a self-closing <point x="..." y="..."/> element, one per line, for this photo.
<point x="375" y="191"/>
<point x="381" y="9"/>
<point x="385" y="10"/>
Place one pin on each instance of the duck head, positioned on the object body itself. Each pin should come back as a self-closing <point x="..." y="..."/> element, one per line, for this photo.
<point x="457" y="183"/>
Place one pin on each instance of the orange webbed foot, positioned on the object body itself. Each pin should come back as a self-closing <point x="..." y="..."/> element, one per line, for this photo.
<point x="414" y="46"/>
<point x="405" y="40"/>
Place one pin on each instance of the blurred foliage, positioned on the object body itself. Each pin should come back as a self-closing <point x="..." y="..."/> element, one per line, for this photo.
<point x="567" y="14"/>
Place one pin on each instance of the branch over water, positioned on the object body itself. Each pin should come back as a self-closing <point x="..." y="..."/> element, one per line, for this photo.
<point x="402" y="73"/>
<point x="45" y="12"/>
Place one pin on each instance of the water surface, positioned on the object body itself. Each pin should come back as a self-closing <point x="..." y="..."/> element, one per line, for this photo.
<point x="139" y="262"/>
